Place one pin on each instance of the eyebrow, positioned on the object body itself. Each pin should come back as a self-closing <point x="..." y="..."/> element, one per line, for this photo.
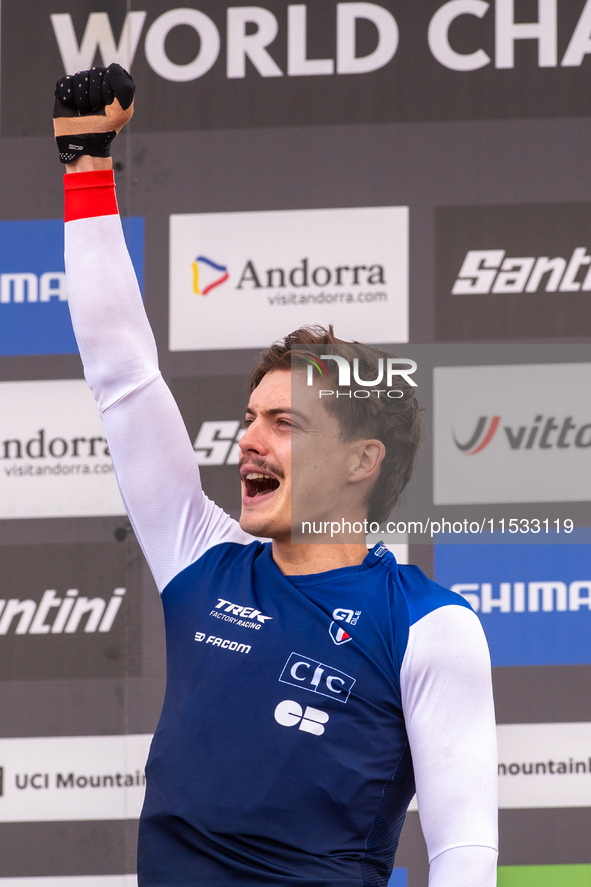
<point x="276" y="411"/>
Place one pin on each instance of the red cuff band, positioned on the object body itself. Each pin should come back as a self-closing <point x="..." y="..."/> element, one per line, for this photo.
<point x="89" y="194"/>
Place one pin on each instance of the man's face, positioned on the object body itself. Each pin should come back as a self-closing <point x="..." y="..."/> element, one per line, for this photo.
<point x="320" y="484"/>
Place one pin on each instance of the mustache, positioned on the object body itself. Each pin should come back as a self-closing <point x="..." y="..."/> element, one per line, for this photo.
<point x="263" y="465"/>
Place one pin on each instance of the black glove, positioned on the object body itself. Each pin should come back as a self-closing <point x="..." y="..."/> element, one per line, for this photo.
<point x="90" y="109"/>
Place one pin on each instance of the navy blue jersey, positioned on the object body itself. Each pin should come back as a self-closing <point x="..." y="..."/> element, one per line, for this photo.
<point x="282" y="754"/>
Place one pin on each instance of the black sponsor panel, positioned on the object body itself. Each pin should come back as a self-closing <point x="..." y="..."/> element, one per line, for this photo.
<point x="311" y="63"/>
<point x="513" y="272"/>
<point x="69" y="611"/>
<point x="213" y="409"/>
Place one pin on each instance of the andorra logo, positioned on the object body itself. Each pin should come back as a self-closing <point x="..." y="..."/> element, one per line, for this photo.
<point x="207" y="274"/>
<point x="483" y="434"/>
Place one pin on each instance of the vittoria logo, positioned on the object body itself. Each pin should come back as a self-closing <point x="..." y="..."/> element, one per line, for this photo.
<point x="337" y="632"/>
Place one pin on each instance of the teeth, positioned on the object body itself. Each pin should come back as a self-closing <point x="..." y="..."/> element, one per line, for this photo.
<point x="255" y="476"/>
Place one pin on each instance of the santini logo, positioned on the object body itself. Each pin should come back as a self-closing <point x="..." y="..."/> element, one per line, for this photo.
<point x="488" y="271"/>
<point x="544" y="433"/>
<point x="289" y="713"/>
<point x="73" y="612"/>
<point x="207" y="274"/>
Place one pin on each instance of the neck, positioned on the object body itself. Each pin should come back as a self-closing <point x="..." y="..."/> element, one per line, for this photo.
<point x="301" y="560"/>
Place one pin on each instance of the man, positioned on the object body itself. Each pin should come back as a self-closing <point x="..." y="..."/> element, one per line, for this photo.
<point x="310" y="687"/>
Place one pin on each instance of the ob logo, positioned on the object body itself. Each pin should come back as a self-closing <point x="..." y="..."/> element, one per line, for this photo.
<point x="289" y="713"/>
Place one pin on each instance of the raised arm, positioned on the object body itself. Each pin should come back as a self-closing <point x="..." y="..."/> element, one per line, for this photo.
<point x="153" y="457"/>
<point x="449" y="713"/>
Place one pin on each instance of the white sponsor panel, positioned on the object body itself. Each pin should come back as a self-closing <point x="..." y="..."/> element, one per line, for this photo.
<point x="72" y="778"/>
<point x="54" y="460"/>
<point x="512" y="433"/>
<point x="73" y="881"/>
<point x="243" y="280"/>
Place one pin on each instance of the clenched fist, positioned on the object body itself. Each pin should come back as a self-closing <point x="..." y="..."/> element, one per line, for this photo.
<point x="90" y="109"/>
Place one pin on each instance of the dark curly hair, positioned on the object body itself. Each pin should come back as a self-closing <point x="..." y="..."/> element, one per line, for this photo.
<point x="396" y="422"/>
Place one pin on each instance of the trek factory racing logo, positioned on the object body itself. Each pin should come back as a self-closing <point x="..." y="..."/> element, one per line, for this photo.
<point x="394" y="366"/>
<point x="490" y="271"/>
<point x="309" y="674"/>
<point x="544" y="433"/>
<point x="236" y="614"/>
<point x="338" y="633"/>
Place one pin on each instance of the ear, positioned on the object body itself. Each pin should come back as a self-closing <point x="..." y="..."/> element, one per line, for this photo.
<point x="368" y="456"/>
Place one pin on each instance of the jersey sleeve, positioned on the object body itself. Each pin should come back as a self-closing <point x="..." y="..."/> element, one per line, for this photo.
<point x="154" y="461"/>
<point x="449" y="713"/>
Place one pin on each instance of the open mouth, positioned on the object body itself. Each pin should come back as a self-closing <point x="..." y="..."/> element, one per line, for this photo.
<point x="257" y="484"/>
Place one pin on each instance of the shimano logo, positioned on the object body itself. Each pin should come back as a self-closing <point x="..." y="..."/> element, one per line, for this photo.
<point x="300" y="671"/>
<point x="491" y="271"/>
<point x="531" y="597"/>
<point x="247" y="617"/>
<point x="223" y="643"/>
<point x="310" y="720"/>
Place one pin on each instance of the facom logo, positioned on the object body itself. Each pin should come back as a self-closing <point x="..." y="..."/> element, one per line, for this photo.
<point x="217" y="442"/>
<point x="531" y="597"/>
<point x="208" y="274"/>
<point x="488" y="271"/>
<point x="544" y="433"/>
<point x="395" y="366"/>
<point x="310" y="720"/>
<point x="73" y="613"/>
